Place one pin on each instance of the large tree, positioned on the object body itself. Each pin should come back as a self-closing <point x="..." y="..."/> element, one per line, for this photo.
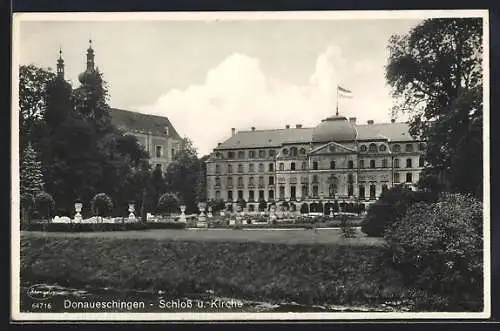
<point x="435" y="72"/>
<point x="31" y="178"/>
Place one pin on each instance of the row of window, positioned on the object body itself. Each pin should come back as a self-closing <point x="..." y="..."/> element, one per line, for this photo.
<point x="295" y="151"/>
<point x="315" y="165"/>
<point x="159" y="151"/>
<point x="332" y="179"/>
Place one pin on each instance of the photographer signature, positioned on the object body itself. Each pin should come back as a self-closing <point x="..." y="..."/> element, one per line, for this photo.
<point x="40" y="292"/>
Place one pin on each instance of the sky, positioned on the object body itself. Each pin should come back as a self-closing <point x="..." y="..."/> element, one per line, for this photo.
<point x="208" y="76"/>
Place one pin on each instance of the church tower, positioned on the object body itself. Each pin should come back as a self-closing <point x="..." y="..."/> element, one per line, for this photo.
<point x="90" y="57"/>
<point x="90" y="73"/>
<point x="60" y="66"/>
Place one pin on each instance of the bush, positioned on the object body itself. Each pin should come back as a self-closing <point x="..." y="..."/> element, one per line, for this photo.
<point x="45" y="205"/>
<point x="27" y="203"/>
<point x="217" y="205"/>
<point x="438" y="248"/>
<point x="101" y="204"/>
<point x="102" y="227"/>
<point x="390" y="208"/>
<point x="347" y="229"/>
<point x="168" y="203"/>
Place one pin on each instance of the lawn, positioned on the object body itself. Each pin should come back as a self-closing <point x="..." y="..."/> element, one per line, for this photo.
<point x="288" y="236"/>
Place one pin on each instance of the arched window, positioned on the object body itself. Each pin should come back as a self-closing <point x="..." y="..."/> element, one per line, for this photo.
<point x="372" y="148"/>
<point x="363" y="148"/>
<point x="350" y="164"/>
<point x="408" y="163"/>
<point x="421" y="161"/>
<point x="396" y="148"/>
<point x="285" y="151"/>
<point x="293" y="151"/>
<point x="292" y="166"/>
<point x="332" y="164"/>
<point x="372" y="164"/>
<point x="384" y="163"/>
<point x="382" y="148"/>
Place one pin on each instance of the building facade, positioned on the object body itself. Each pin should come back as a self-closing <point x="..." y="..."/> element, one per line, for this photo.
<point x="155" y="133"/>
<point x="338" y="160"/>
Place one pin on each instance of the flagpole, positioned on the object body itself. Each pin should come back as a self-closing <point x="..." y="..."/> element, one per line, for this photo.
<point x="337" y="109"/>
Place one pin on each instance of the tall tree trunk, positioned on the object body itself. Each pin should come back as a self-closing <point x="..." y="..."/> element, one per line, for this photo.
<point x="143" y="207"/>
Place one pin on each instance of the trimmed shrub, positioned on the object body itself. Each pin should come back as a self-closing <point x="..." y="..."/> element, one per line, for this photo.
<point x="390" y="208"/>
<point x="168" y="203"/>
<point x="45" y="205"/>
<point x="438" y="248"/>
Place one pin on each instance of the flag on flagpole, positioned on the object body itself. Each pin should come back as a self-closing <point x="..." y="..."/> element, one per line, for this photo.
<point x="342" y="92"/>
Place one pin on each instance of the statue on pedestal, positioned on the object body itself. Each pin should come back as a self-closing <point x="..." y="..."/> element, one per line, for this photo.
<point x="209" y="214"/>
<point x="182" y="218"/>
<point x="78" y="210"/>
<point x="131" y="209"/>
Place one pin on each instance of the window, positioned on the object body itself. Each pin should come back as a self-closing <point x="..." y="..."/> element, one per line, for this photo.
<point x="408" y="163"/>
<point x="421" y="146"/>
<point x="217" y="169"/>
<point x="251" y="167"/>
<point x="282" y="166"/>
<point x="240" y="195"/>
<point x="217" y="195"/>
<point x="315" y="179"/>
<point x="361" y="164"/>
<point x="408" y="177"/>
<point x="304" y="191"/>
<point x="350" y="164"/>
<point x="240" y="181"/>
<point x="350" y="190"/>
<point x="293" y="193"/>
<point x="261" y="181"/>
<point x="262" y="154"/>
<point x="217" y="181"/>
<point x="229" y="181"/>
<point x="396" y="163"/>
<point x="172" y="153"/>
<point x="315" y="190"/>
<point x="241" y="155"/>
<point x="282" y="192"/>
<point x="302" y="151"/>
<point x="332" y="164"/>
<point x="363" y="148"/>
<point x="382" y="148"/>
<point x="166" y="130"/>
<point x="272" y="153"/>
<point x="251" y="207"/>
<point x="251" y="195"/>
<point x="292" y="166"/>
<point x="240" y="168"/>
<point x="285" y="151"/>
<point x="350" y="178"/>
<point x="230" y="195"/>
<point x="293" y="151"/>
<point x="251" y="154"/>
<point x="158" y="151"/>
<point x="396" y="148"/>
<point x="421" y="161"/>
<point x="251" y="181"/>
<point x="271" y="166"/>
<point x="315" y="165"/>
<point x="230" y="155"/>
<point x="396" y="177"/>
<point x="372" y="191"/>
<point x="372" y="148"/>
<point x="271" y="180"/>
<point x="303" y="166"/>
<point x="361" y="192"/>
<point x="384" y="163"/>
<point x="261" y="167"/>
<point x="408" y="148"/>
<point x="270" y="195"/>
<point x="261" y="194"/>
<point x="372" y="164"/>
<point x="229" y="168"/>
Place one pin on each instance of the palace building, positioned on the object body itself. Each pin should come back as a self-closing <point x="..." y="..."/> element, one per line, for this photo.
<point x="338" y="160"/>
<point x="155" y="133"/>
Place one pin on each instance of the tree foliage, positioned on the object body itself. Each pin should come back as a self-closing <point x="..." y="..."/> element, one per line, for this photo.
<point x="168" y="203"/>
<point x="436" y="75"/>
<point x="101" y="204"/>
<point x="44" y="205"/>
<point x="31" y="178"/>
<point x="439" y="249"/>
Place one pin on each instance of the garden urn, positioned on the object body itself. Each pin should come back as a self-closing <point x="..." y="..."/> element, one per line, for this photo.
<point x="182" y="218"/>
<point x="131" y="209"/>
<point x="78" y="210"/>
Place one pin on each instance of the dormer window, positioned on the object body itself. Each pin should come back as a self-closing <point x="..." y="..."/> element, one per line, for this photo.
<point x="166" y="130"/>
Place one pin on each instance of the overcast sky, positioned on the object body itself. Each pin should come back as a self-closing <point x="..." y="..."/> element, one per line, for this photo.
<point x="210" y="76"/>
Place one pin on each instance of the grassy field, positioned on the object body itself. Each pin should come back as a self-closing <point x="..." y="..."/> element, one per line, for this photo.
<point x="292" y="236"/>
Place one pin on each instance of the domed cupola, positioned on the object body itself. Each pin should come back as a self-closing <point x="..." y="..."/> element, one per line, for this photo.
<point x="334" y="128"/>
<point x="90" y="74"/>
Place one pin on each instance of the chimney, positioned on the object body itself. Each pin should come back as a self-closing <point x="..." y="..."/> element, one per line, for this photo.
<point x="369" y="121"/>
<point x="287" y="126"/>
<point x="298" y="126"/>
<point x="253" y="128"/>
<point x="233" y="131"/>
<point x="352" y="119"/>
<point x="393" y="120"/>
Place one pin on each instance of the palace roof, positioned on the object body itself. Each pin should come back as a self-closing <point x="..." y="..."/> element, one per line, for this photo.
<point x="132" y="121"/>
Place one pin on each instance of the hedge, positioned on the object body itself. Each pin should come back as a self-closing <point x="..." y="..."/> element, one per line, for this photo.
<point x="93" y="227"/>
